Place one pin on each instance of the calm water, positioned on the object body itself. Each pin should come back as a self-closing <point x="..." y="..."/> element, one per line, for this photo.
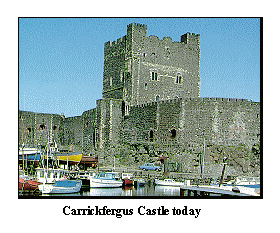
<point x="147" y="190"/>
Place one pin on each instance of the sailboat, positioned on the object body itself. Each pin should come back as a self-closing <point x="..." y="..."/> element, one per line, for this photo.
<point x="60" y="184"/>
<point x="27" y="155"/>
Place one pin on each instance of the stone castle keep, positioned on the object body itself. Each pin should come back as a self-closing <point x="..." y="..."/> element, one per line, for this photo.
<point x="151" y="97"/>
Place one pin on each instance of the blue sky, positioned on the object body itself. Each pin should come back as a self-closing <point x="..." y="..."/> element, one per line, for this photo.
<point x="61" y="59"/>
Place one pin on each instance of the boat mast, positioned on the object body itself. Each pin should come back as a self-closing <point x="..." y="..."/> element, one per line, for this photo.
<point x="22" y="145"/>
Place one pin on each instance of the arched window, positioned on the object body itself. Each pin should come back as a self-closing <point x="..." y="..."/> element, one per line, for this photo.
<point x="157" y="98"/>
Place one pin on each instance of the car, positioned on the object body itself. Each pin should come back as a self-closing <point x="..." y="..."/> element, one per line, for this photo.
<point x="150" y="166"/>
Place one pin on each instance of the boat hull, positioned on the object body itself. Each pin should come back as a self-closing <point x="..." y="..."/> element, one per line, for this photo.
<point x="71" y="158"/>
<point x="59" y="187"/>
<point x="127" y="182"/>
<point x="102" y="183"/>
<point x="169" y="183"/>
<point x="27" y="185"/>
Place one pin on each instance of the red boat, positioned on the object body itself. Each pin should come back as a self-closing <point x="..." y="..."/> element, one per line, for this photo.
<point x="27" y="185"/>
<point x="127" y="182"/>
<point x="127" y="179"/>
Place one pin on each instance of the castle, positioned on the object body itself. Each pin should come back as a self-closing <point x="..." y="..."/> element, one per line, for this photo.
<point x="151" y="96"/>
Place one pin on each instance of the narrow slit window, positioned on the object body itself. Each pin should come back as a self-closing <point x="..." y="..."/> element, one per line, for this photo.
<point x="179" y="79"/>
<point x="154" y="76"/>
<point x="146" y="86"/>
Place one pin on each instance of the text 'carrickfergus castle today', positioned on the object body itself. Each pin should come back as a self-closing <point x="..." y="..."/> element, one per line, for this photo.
<point x="151" y="97"/>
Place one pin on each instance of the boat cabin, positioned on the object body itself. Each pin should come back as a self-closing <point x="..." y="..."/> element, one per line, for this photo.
<point x="50" y="175"/>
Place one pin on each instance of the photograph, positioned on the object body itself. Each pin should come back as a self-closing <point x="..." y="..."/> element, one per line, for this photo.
<point x="141" y="108"/>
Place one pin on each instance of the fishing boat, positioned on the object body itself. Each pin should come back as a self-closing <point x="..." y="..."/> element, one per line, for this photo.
<point x="105" y="180"/>
<point x="62" y="186"/>
<point x="50" y="175"/>
<point x="168" y="182"/>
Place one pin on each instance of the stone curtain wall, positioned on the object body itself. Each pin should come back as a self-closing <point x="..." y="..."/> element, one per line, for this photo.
<point x="34" y="128"/>
<point x="183" y="121"/>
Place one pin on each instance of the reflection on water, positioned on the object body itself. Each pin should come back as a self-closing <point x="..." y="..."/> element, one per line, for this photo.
<point x="147" y="190"/>
<point x="167" y="191"/>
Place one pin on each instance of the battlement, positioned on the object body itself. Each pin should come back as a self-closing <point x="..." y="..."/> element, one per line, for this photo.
<point x="137" y="25"/>
<point x="190" y="36"/>
<point x="112" y="44"/>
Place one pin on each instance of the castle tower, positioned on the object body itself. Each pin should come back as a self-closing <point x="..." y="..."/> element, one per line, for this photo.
<point x="140" y="69"/>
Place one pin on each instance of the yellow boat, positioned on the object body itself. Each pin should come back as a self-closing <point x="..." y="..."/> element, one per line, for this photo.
<point x="69" y="157"/>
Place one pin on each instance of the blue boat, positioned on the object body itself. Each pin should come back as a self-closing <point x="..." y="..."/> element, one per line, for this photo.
<point x="62" y="186"/>
<point x="29" y="154"/>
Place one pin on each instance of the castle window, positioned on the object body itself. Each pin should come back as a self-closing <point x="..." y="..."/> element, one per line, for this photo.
<point x="146" y="86"/>
<point x="111" y="81"/>
<point x="42" y="127"/>
<point x="151" y="136"/>
<point x="154" y="76"/>
<point x="167" y="50"/>
<point x="157" y="98"/>
<point x="172" y="133"/>
<point x="179" y="79"/>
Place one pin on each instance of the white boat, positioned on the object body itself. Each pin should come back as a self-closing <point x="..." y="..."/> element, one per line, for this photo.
<point x="85" y="175"/>
<point x="50" y="175"/>
<point x="105" y="180"/>
<point x="169" y="182"/>
<point x="140" y="182"/>
<point x="252" y="182"/>
<point x="62" y="186"/>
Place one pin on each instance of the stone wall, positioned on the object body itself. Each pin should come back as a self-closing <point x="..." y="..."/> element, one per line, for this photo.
<point x="35" y="128"/>
<point x="187" y="121"/>
<point x="109" y="113"/>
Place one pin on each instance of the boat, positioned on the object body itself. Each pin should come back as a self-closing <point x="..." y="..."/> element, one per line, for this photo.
<point x="70" y="158"/>
<point x="62" y="186"/>
<point x="252" y="182"/>
<point x="29" y="154"/>
<point x="139" y="182"/>
<point x="105" y="180"/>
<point x="168" y="182"/>
<point x="84" y="176"/>
<point x="27" y="183"/>
<point x="127" y="179"/>
<point x="50" y="175"/>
